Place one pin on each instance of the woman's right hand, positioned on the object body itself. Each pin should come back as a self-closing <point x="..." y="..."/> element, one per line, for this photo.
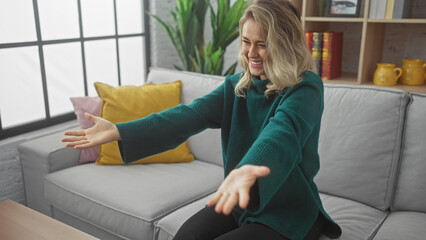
<point x="102" y="132"/>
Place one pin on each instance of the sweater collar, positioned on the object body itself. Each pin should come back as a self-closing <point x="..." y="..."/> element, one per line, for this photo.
<point x="259" y="85"/>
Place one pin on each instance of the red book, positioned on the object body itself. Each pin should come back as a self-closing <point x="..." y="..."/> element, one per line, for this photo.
<point x="309" y="40"/>
<point x="332" y="55"/>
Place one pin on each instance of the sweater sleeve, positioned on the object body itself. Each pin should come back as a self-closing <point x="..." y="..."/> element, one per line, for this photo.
<point x="159" y="132"/>
<point x="279" y="145"/>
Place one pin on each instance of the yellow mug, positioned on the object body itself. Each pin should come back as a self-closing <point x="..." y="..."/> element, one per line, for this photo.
<point x="386" y="74"/>
<point x="413" y="71"/>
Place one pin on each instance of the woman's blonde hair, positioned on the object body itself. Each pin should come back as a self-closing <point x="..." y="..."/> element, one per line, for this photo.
<point x="288" y="55"/>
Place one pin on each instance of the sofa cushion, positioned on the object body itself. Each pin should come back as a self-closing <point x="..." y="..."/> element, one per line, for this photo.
<point x="403" y="225"/>
<point x="358" y="221"/>
<point x="128" y="199"/>
<point x="359" y="142"/>
<point x="127" y="103"/>
<point x="93" y="106"/>
<point x="205" y="146"/>
<point x="167" y="227"/>
<point x="410" y="192"/>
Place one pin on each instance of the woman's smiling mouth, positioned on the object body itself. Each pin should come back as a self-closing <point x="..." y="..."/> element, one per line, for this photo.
<point x="256" y="64"/>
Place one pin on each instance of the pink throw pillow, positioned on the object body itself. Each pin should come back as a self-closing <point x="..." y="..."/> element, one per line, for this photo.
<point x="93" y="106"/>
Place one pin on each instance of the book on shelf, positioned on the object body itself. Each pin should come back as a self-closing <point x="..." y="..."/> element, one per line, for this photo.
<point x="317" y="50"/>
<point x="373" y="8"/>
<point x="308" y="36"/>
<point x="401" y="9"/>
<point x="389" y="9"/>
<point x="332" y="47"/>
<point x="381" y="9"/>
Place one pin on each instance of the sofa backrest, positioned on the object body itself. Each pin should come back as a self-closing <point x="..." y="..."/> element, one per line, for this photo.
<point x="205" y="146"/>
<point x="410" y="193"/>
<point x="360" y="142"/>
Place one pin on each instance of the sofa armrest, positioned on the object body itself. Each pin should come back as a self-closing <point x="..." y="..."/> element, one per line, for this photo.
<point x="39" y="157"/>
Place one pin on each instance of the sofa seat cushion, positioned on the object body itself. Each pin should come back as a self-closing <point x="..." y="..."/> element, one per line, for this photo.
<point x="167" y="227"/>
<point x="403" y="225"/>
<point x="358" y="221"/>
<point x="127" y="200"/>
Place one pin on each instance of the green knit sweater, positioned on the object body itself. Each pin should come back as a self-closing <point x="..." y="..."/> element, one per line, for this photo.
<point x="279" y="131"/>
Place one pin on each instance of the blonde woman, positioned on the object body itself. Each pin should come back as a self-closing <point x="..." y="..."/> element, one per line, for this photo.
<point x="270" y="116"/>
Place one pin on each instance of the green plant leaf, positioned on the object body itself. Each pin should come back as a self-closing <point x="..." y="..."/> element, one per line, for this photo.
<point x="230" y="29"/>
<point x="171" y="33"/>
<point x="178" y="68"/>
<point x="180" y="46"/>
<point x="227" y="20"/>
<point x="212" y="19"/>
<point x="197" y="60"/>
<point x="231" y="69"/>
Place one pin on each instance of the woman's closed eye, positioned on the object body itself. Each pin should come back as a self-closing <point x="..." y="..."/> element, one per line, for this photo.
<point x="261" y="45"/>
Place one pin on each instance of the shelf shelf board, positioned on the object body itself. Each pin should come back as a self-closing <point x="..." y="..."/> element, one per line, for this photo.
<point x="407" y="88"/>
<point x="333" y="19"/>
<point x="346" y="78"/>
<point x="406" y="20"/>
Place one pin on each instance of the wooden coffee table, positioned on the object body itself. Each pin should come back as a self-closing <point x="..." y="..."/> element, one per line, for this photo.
<point x="20" y="222"/>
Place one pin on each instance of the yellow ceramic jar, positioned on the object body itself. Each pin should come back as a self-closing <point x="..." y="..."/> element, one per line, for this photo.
<point x="413" y="71"/>
<point x="386" y="74"/>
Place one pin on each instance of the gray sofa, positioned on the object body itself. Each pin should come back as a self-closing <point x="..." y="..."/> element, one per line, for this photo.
<point x="373" y="162"/>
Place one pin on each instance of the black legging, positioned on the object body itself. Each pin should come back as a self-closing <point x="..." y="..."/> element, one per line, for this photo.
<point x="208" y="225"/>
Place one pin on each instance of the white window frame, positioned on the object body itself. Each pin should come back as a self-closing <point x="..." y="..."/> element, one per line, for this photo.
<point x="49" y="120"/>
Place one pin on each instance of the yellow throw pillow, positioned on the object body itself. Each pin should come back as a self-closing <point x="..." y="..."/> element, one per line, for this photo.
<point x="127" y="103"/>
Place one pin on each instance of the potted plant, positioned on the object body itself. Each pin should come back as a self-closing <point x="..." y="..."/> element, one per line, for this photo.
<point x="186" y="33"/>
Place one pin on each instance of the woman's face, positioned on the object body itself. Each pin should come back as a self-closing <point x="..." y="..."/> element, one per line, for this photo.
<point x="254" y="48"/>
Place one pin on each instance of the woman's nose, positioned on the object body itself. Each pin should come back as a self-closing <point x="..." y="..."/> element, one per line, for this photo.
<point x="252" y="52"/>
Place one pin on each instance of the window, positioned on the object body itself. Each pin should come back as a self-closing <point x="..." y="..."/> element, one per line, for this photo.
<point x="51" y="50"/>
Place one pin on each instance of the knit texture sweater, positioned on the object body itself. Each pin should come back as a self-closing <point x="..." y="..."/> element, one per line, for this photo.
<point x="279" y="131"/>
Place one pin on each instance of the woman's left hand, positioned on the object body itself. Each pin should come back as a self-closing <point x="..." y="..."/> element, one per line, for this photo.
<point x="236" y="187"/>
